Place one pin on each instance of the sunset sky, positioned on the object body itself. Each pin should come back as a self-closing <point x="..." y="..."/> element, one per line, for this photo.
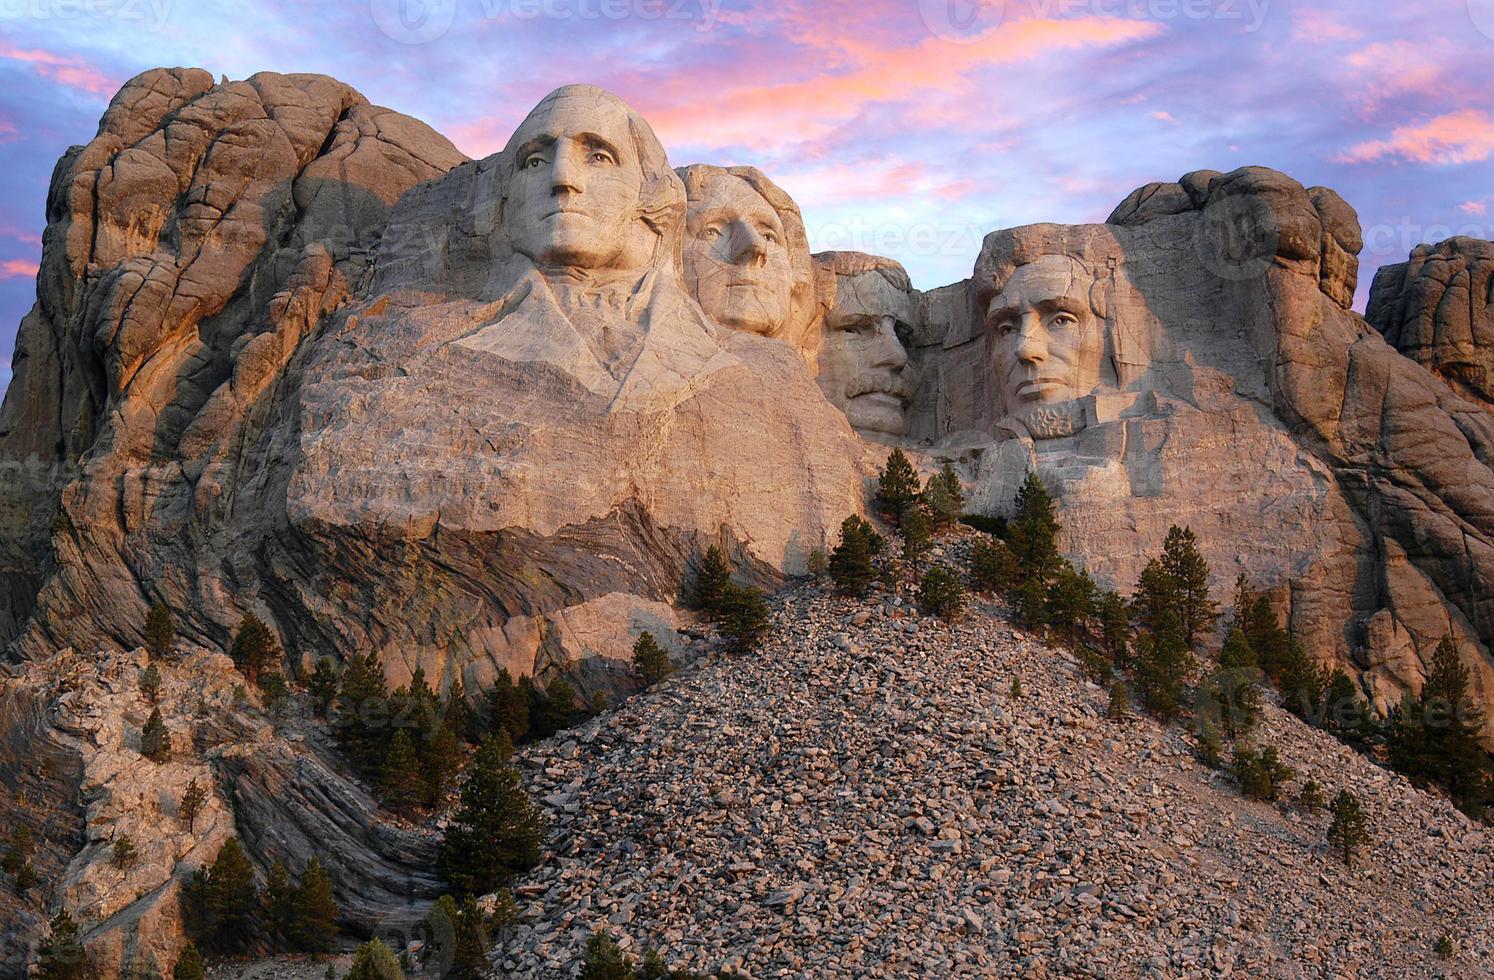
<point x="904" y="127"/>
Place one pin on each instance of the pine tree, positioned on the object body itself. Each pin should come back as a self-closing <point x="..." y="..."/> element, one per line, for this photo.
<point x="188" y="963"/>
<point x="940" y="594"/>
<point x="944" y="496"/>
<point x="150" y="683"/>
<point x="231" y="899"/>
<point x="322" y="685"/>
<point x="160" y="632"/>
<point x="1161" y="663"/>
<point x="711" y="581"/>
<point x="897" y="487"/>
<point x="509" y="706"/>
<point x="400" y="782"/>
<point x="817" y="566"/>
<point x="1272" y="643"/>
<point x="362" y="713"/>
<point x="1349" y="830"/>
<point x="375" y="961"/>
<point x="1261" y="773"/>
<point x="1183" y="563"/>
<point x="254" y="649"/>
<point x="123" y="855"/>
<point x="1119" y="708"/>
<point x="1310" y="797"/>
<point x="603" y="960"/>
<point x="1244" y="602"/>
<point x="314" y="922"/>
<point x="1115" y="626"/>
<point x="1032" y="533"/>
<point x="1236" y="653"/>
<point x="440" y="758"/>
<point x="457" y="710"/>
<point x="1210" y="746"/>
<point x="61" y="955"/>
<point x="1156" y="595"/>
<point x="460" y="925"/>
<point x="745" y="619"/>
<point x="19" y="851"/>
<point x="1230" y="699"/>
<point x="1434" y="737"/>
<point x="1345" y="713"/>
<point x="918" y="538"/>
<point x="553" y="709"/>
<point x="650" y="661"/>
<point x="851" y="565"/>
<point x="993" y="567"/>
<point x="1070" y="602"/>
<point x="155" y="740"/>
<point x="1301" y="682"/>
<point x="191" y="805"/>
<point x="280" y="905"/>
<point x="496" y="830"/>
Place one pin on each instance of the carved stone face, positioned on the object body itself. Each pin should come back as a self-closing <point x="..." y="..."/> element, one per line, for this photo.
<point x="863" y="366"/>
<point x="737" y="258"/>
<point x="573" y="196"/>
<point x="1048" y="341"/>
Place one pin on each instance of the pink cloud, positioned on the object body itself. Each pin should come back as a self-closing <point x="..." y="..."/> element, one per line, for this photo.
<point x="1465" y="136"/>
<point x="929" y="76"/>
<point x="1166" y="117"/>
<point x="1319" y="25"/>
<point x="18" y="269"/>
<point x="68" y="70"/>
<point x="1479" y="208"/>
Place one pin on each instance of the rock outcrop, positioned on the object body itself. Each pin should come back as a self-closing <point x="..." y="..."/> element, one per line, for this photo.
<point x="1217" y="378"/>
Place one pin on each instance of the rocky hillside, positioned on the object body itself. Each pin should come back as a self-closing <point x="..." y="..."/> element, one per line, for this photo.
<point x="865" y="797"/>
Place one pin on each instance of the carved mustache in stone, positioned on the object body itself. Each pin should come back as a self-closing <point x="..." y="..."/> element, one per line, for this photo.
<point x="882" y="382"/>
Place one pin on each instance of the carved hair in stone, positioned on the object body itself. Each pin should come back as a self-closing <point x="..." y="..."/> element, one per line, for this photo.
<point x="1063" y="321"/>
<point x="746" y="255"/>
<point x="588" y="188"/>
<point x="866" y="301"/>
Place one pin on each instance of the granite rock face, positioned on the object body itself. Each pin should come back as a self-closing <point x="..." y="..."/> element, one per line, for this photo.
<point x="294" y="354"/>
<point x="1194" y="361"/>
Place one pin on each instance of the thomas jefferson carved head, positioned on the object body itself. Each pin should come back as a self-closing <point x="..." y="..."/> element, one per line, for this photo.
<point x="587" y="186"/>
<point x="863" y="366"/>
<point x="746" y="256"/>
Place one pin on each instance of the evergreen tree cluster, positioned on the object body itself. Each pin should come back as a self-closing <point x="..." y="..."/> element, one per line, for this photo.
<point x="408" y="742"/>
<point x="225" y="912"/>
<point x="602" y="959"/>
<point x="739" y="611"/>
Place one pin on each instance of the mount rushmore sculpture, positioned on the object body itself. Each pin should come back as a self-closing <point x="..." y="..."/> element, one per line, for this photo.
<point x="293" y="354"/>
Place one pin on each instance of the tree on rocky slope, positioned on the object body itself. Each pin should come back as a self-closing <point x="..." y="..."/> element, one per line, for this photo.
<point x="944" y="496"/>
<point x="496" y="830"/>
<point x="160" y="632"/>
<point x="1349" y="830"/>
<point x="315" y="911"/>
<point x="897" y="487"/>
<point x="940" y="594"/>
<point x="1261" y="772"/>
<point x="61" y="955"/>
<point x="711" y="580"/>
<point x="508" y="705"/>
<point x="361" y="713"/>
<point x="322" y="686"/>
<point x="1185" y="566"/>
<point x="155" y="740"/>
<point x="191" y="804"/>
<point x="401" y="786"/>
<point x="254" y="650"/>
<point x="188" y="963"/>
<point x="650" y="661"/>
<point x="745" y="618"/>
<point x="221" y="904"/>
<point x="851" y="565"/>
<point x="375" y="961"/>
<point x="918" y="538"/>
<point x="1434" y="736"/>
